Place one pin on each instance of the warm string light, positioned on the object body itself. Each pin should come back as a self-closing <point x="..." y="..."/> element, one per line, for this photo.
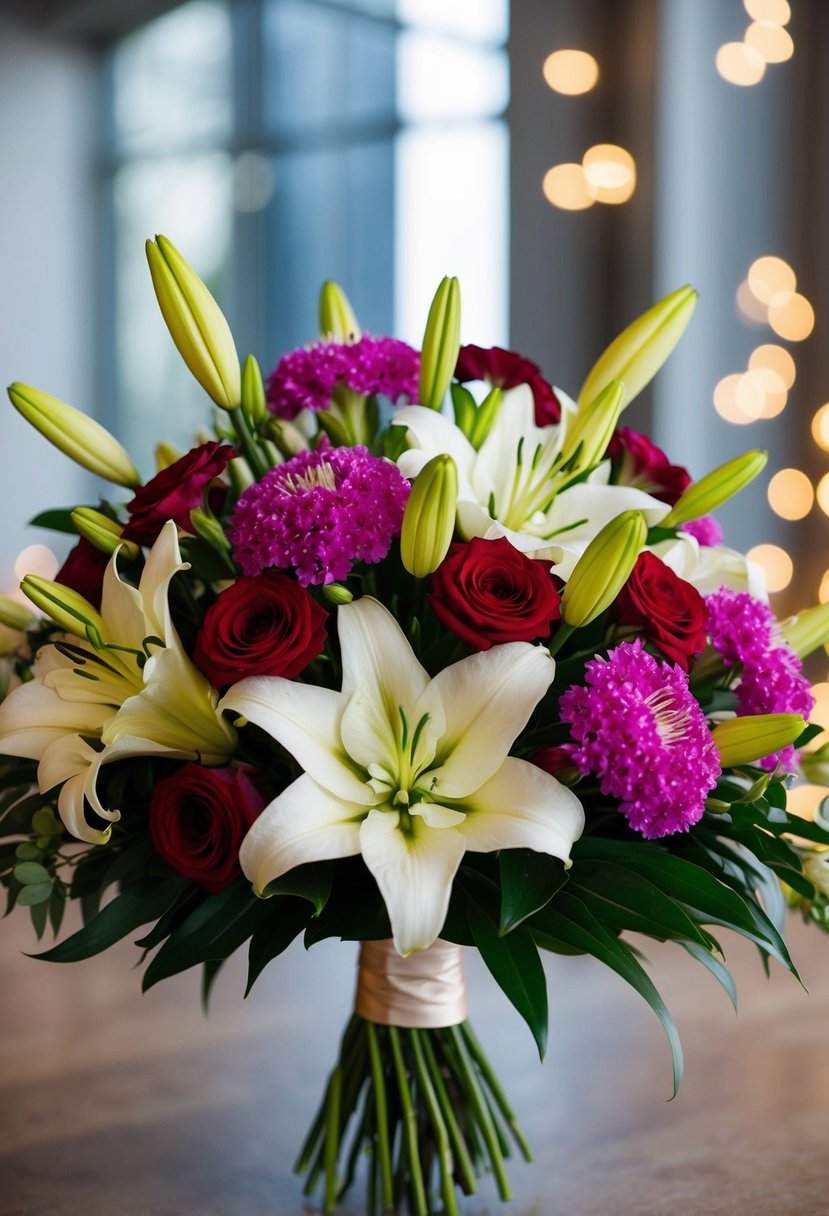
<point x="776" y="564"/>
<point x="571" y="72"/>
<point x="790" y="494"/>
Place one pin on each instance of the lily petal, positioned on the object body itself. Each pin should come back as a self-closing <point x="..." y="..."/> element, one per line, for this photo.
<point x="305" y="720"/>
<point x="434" y="434"/>
<point x="523" y="807"/>
<point x="33" y="716"/>
<point x="305" y="823"/>
<point x="414" y="871"/>
<point x="488" y="699"/>
<point x="378" y="659"/>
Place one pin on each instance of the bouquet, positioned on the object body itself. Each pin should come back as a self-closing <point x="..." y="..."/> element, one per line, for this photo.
<point x="417" y="651"/>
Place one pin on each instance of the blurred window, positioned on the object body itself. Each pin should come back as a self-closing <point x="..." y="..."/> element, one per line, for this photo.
<point x="279" y="143"/>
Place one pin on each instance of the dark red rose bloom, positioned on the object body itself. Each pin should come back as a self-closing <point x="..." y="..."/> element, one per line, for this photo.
<point x="83" y="571"/>
<point x="638" y="462"/>
<point x="506" y="369"/>
<point x="487" y="592"/>
<point x="198" y="818"/>
<point x="266" y="625"/>
<point x="175" y="491"/>
<point x="664" y="608"/>
<point x="556" y="760"/>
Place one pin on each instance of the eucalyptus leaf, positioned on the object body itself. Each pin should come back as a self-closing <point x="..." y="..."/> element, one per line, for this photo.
<point x="35" y="893"/>
<point x="31" y="872"/>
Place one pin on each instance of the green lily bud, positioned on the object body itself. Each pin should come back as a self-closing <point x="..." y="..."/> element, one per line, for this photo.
<point x="485" y="415"/>
<point x="15" y="615"/>
<point x="165" y="455"/>
<point x="603" y="569"/>
<point x="101" y="531"/>
<point x="196" y="323"/>
<point x="337" y="320"/>
<point x="66" y="607"/>
<point x="815" y="765"/>
<point x="441" y="343"/>
<point x="711" y="491"/>
<point x="640" y="350"/>
<point x="253" y="392"/>
<point x="78" y="436"/>
<point x="816" y="869"/>
<point x="287" y="437"/>
<point x="589" y="433"/>
<point x="429" y="518"/>
<point x="807" y="631"/>
<point x="337" y="593"/>
<point x="206" y="525"/>
<point x="747" y="740"/>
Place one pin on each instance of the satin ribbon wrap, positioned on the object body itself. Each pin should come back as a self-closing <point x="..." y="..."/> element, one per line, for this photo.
<point x="424" y="991"/>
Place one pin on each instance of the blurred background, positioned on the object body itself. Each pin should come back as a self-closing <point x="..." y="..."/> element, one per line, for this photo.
<point x="570" y="160"/>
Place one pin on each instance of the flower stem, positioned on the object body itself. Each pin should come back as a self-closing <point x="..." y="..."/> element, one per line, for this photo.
<point x="332" y="1140"/>
<point x="382" y="1124"/>
<point x="247" y="442"/>
<point x="427" y="1092"/>
<point x="409" y="1126"/>
<point x="464" y="1162"/>
<point x="495" y="1089"/>
<point x="480" y="1110"/>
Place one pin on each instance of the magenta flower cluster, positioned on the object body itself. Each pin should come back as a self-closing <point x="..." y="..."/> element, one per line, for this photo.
<point x="306" y="378"/>
<point x="641" y="731"/>
<point x="742" y="629"/>
<point x="319" y="513"/>
<point x="705" y="530"/>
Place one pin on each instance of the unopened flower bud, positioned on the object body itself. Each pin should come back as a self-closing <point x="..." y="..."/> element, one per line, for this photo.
<point x="815" y="765"/>
<point x="816" y="869"/>
<point x="66" y="607"/>
<point x="485" y="415"/>
<point x="205" y="525"/>
<point x="337" y="320"/>
<point x="603" y="569"/>
<point x="253" y="392"/>
<point x="196" y="323"/>
<point x="78" y="436"/>
<point x="165" y="455"/>
<point x="15" y="615"/>
<point x="807" y="631"/>
<point x="747" y="740"/>
<point x="715" y="488"/>
<point x="640" y="350"/>
<point x="101" y="531"/>
<point x="441" y="343"/>
<point x="429" y="517"/>
<point x="337" y="593"/>
<point x="589" y="432"/>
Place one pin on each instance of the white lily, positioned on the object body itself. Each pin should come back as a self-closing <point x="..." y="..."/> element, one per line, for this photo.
<point x="516" y="484"/>
<point x="407" y="770"/>
<point x="140" y="695"/>
<point x="709" y="567"/>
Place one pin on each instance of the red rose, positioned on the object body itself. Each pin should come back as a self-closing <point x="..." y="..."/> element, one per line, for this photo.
<point x="175" y="491"/>
<point x="198" y="818"/>
<point x="488" y="592"/>
<point x="664" y="608"/>
<point x="506" y="369"/>
<point x="83" y="571"/>
<point x="556" y="761"/>
<point x="266" y="625"/>
<point x="638" y="462"/>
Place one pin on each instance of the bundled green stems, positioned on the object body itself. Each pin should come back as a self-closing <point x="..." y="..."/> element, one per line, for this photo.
<point x="426" y="1109"/>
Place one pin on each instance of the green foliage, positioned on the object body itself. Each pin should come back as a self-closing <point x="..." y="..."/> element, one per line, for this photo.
<point x="529" y="881"/>
<point x="143" y="901"/>
<point x="514" y="963"/>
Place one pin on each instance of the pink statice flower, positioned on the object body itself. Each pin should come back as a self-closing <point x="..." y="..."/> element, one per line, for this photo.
<point x="741" y="627"/>
<point x="319" y="513"/>
<point x="641" y="731"/>
<point x="306" y="378"/>
<point x="705" y="530"/>
<point x="743" y="630"/>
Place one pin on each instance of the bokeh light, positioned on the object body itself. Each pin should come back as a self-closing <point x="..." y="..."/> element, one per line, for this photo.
<point x="610" y="172"/>
<point x="775" y="563"/>
<point x="38" y="560"/>
<point x="773" y="389"/>
<point x="740" y="64"/>
<point x="791" y="316"/>
<point x="778" y="12"/>
<point x="790" y="494"/>
<point x="769" y="276"/>
<point x="751" y="308"/>
<point x="571" y="72"/>
<point x="565" y="186"/>
<point x="771" y="42"/>
<point x="823" y="591"/>
<point x="822" y="493"/>
<point x="738" y="401"/>
<point x="820" y="427"/>
<point x="777" y="359"/>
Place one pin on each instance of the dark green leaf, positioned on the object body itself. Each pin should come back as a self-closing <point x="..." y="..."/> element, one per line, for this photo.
<point x="40" y="915"/>
<point x="175" y="915"/>
<point x="213" y="931"/>
<point x="529" y="881"/>
<point x="210" y="970"/>
<point x="312" y="882"/>
<point x="719" y="971"/>
<point x="57" y="906"/>
<point x="57" y="520"/>
<point x="17" y="820"/>
<point x="571" y="921"/>
<point x="286" y="918"/>
<point x="144" y="901"/>
<point x="516" y="968"/>
<point x="810" y="732"/>
<point x="625" y="900"/>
